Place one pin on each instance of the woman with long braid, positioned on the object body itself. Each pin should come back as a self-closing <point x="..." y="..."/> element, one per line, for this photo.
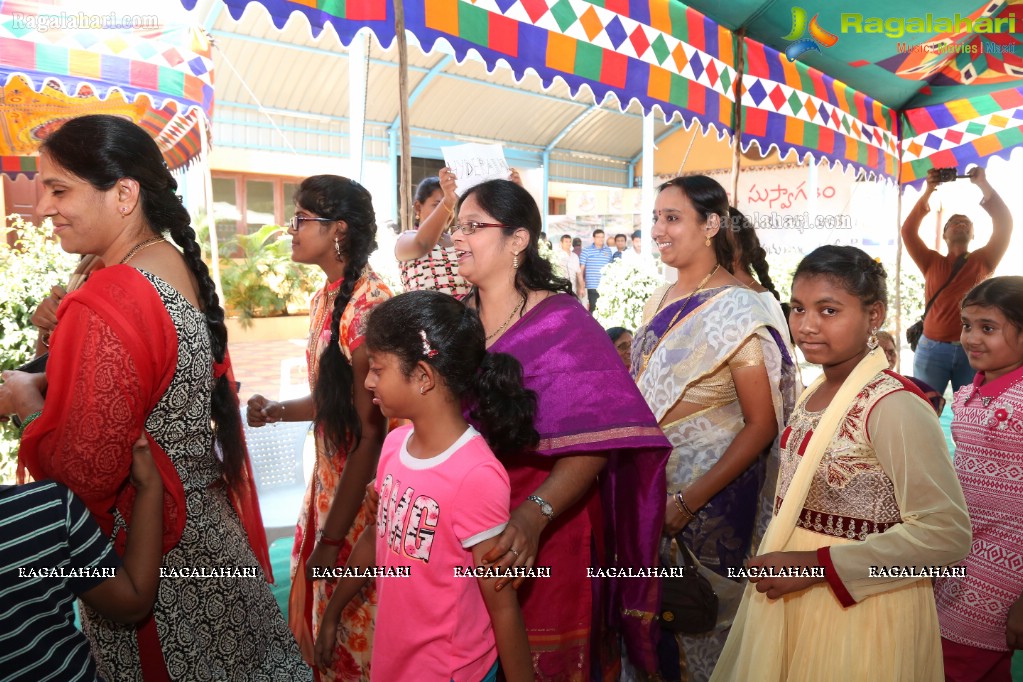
<point x="334" y="227"/>
<point x="142" y="346"/>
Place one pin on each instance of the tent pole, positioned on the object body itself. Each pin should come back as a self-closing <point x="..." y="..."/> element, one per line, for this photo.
<point x="405" y="167"/>
<point x="647" y="182"/>
<point x="358" y="65"/>
<point x="211" y="223"/>
<point x="898" y="261"/>
<point x="740" y="68"/>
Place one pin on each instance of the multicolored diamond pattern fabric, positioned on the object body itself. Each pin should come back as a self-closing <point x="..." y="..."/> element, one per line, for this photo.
<point x="961" y="132"/>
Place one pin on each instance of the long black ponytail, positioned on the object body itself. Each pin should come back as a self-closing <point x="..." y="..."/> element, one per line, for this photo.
<point x="102" y="149"/>
<point x="338" y="198"/>
<point x="489" y="383"/>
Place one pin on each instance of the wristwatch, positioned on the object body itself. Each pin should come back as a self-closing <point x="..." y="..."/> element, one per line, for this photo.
<point x="545" y="508"/>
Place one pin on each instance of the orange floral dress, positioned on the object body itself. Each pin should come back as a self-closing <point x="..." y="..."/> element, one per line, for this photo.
<point x="352" y="650"/>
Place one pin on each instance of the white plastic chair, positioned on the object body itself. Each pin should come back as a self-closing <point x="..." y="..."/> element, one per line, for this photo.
<point x="276" y="451"/>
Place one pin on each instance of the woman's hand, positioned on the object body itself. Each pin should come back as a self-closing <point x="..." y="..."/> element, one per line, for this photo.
<point x="259" y="411"/>
<point x="144" y="474"/>
<point x="775" y="587"/>
<point x="45" y="317"/>
<point x="448" y="182"/>
<point x="372" y="500"/>
<point x="323" y="657"/>
<point x="21" y="392"/>
<point x="323" y="558"/>
<point x="523" y="536"/>
<point x="1014" y="626"/>
<point x="514" y="176"/>
<point x="674" y="520"/>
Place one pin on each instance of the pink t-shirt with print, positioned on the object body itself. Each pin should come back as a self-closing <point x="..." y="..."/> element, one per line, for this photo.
<point x="434" y="625"/>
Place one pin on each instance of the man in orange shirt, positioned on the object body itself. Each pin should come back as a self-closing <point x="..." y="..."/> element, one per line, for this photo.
<point x="939" y="356"/>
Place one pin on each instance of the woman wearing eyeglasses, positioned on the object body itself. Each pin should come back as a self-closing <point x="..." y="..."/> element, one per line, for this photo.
<point x="334" y="227"/>
<point x="592" y="462"/>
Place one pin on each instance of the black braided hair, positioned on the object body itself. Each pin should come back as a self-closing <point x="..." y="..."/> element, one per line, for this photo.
<point x="338" y="198"/>
<point x="751" y="255"/>
<point x="851" y="268"/>
<point x="102" y="149"/>
<point x="490" y="382"/>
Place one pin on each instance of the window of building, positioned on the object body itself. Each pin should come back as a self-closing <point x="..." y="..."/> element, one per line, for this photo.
<point x="243" y="203"/>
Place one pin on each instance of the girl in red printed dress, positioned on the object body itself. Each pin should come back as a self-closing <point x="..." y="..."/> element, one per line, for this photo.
<point x="334" y="227"/>
<point x="981" y="612"/>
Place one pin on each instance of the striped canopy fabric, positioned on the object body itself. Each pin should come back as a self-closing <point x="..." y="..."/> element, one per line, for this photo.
<point x="57" y="63"/>
<point x="857" y="86"/>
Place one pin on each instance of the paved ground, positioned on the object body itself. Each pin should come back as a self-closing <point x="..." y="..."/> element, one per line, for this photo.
<point x="261" y="365"/>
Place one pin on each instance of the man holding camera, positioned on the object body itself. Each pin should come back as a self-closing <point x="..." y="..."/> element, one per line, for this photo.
<point x="939" y="356"/>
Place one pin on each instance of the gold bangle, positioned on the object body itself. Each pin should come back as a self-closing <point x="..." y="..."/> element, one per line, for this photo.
<point x="682" y="507"/>
<point x="685" y="506"/>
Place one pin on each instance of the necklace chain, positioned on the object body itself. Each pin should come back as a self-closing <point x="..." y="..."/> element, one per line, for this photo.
<point x="649" y="352"/>
<point x="508" y="321"/>
<point x="138" y="247"/>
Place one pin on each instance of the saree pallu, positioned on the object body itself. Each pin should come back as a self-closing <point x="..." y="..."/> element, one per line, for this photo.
<point x="588" y="405"/>
<point x="680" y="346"/>
<point x="353" y="646"/>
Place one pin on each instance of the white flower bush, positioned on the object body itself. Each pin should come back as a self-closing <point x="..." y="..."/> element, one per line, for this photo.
<point x="31" y="267"/>
<point x="624" y="290"/>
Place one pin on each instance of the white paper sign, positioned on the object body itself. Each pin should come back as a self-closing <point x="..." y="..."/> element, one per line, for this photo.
<point x="475" y="163"/>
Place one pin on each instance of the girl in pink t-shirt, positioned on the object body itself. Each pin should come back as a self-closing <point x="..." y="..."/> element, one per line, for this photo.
<point x="443" y="499"/>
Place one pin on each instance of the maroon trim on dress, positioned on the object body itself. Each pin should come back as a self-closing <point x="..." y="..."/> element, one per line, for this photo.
<point x="806" y="441"/>
<point x="785" y="437"/>
<point x="831" y="575"/>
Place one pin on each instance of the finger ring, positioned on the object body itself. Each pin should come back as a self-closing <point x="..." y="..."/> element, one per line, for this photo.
<point x="513" y="551"/>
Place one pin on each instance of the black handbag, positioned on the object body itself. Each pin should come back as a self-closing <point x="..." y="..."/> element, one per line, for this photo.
<point x="916" y="330"/>
<point x="689" y="605"/>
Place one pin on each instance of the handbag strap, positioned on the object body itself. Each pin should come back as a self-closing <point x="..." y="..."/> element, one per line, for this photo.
<point x="960" y="262"/>
<point x="676" y="548"/>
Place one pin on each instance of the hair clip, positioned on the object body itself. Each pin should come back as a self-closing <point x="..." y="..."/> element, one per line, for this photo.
<point x="428" y="350"/>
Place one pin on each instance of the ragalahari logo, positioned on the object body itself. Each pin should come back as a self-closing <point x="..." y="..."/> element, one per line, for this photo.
<point x="818" y="36"/>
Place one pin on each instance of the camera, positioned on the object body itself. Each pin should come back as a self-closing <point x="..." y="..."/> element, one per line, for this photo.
<point x="947" y="174"/>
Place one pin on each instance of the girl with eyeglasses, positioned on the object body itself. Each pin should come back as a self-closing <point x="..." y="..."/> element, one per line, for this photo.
<point x="595" y="470"/>
<point x="334" y="227"/>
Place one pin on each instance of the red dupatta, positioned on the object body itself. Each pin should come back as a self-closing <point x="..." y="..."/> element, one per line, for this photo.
<point x="112" y="357"/>
<point x="94" y="410"/>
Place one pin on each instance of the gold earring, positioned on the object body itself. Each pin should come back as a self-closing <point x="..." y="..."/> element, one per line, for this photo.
<point x="337" y="248"/>
<point x="515" y="261"/>
<point x="872" y="342"/>
<point x="422" y="390"/>
<point x="707" y="242"/>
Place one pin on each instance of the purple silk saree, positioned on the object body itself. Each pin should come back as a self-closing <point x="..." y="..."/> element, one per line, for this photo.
<point x="588" y="405"/>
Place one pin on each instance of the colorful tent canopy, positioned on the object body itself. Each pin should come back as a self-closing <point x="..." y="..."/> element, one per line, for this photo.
<point x="652" y="51"/>
<point x="951" y="69"/>
<point x="57" y="63"/>
<point x="857" y="93"/>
